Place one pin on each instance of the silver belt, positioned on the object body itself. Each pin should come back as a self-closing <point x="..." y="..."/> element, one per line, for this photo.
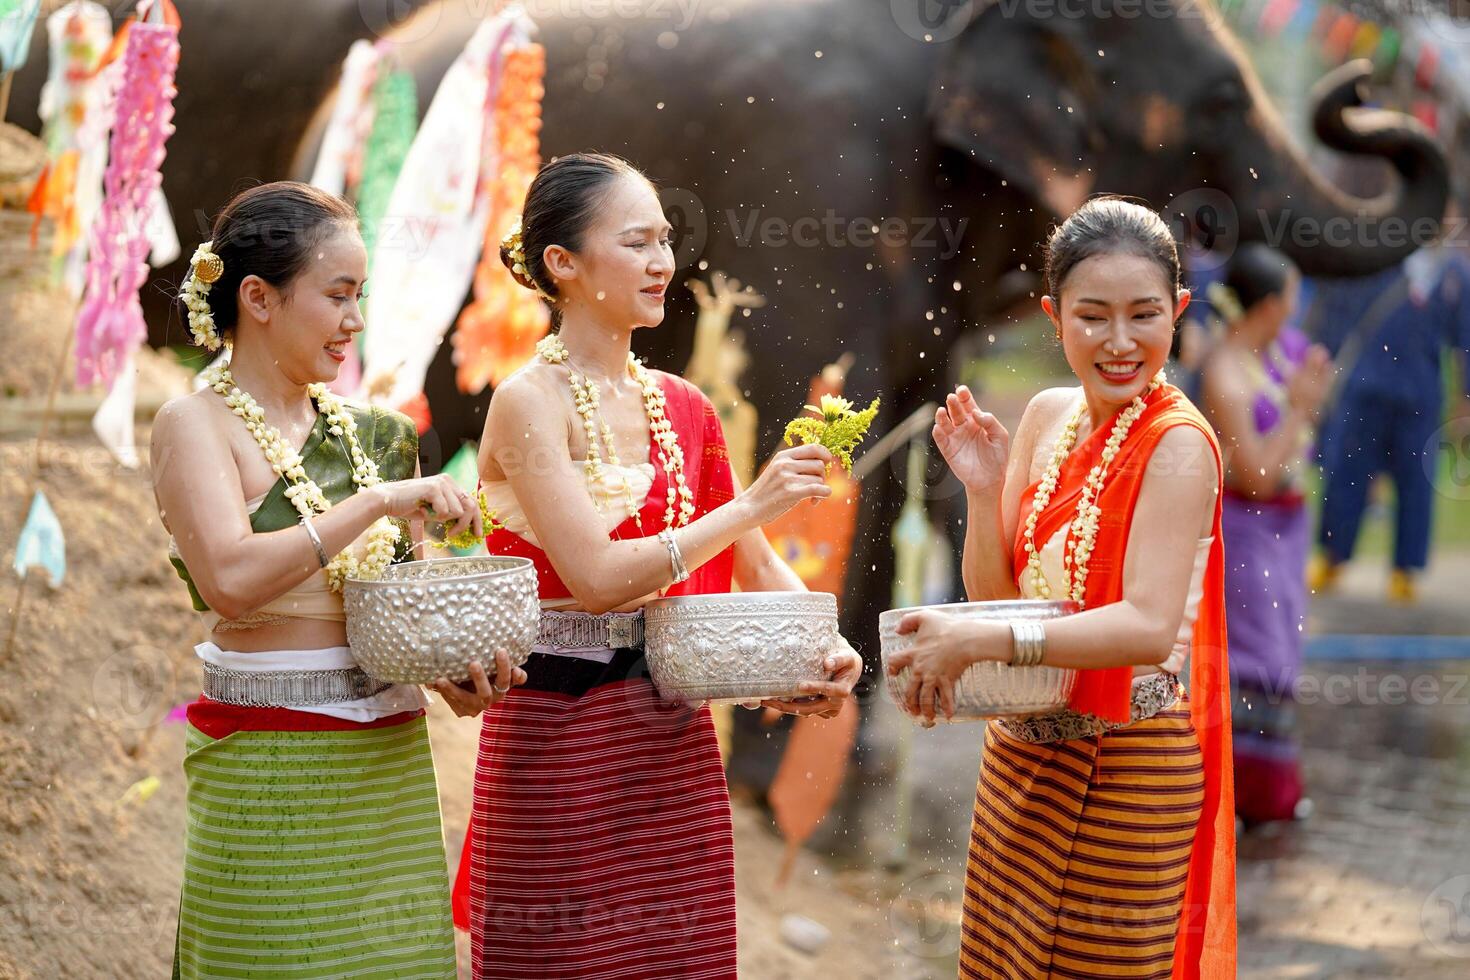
<point x="288" y="688"/>
<point x="615" y="631"/>
<point x="1157" y="693"/>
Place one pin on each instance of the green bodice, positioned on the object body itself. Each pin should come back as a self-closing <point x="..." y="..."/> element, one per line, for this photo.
<point x="388" y="437"/>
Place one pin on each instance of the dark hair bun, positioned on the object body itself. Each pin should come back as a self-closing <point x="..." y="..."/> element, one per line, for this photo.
<point x="270" y="231"/>
<point x="1104" y="225"/>
<point x="561" y="205"/>
<point x="511" y="260"/>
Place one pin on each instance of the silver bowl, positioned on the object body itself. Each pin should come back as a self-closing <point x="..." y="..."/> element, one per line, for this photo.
<point x="739" y="646"/>
<point x="429" y="619"/>
<point x="989" y="689"/>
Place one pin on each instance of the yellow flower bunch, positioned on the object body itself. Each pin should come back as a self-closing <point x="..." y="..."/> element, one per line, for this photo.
<point x="467" y="538"/>
<point x="838" y="428"/>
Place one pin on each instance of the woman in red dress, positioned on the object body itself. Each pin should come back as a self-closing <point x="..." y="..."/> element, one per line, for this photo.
<point x="600" y="840"/>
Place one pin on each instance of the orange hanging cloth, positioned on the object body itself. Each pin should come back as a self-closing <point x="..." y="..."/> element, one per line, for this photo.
<point x="815" y="540"/>
<point x="1205" y="945"/>
<point x="498" y="331"/>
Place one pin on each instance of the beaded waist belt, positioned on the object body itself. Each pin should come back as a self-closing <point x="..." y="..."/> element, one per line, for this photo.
<point x="1151" y="696"/>
<point x="615" y="631"/>
<point x="288" y="688"/>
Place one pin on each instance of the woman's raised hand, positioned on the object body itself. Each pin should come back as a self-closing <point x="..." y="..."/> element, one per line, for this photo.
<point x="974" y="443"/>
<point x="432" y="498"/>
<point x="1308" y="387"/>
<point x="793" y="475"/>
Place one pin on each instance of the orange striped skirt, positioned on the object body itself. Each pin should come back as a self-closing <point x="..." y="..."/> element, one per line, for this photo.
<point x="1079" y="852"/>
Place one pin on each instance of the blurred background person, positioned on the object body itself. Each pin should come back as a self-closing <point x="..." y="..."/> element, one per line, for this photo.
<point x="1263" y="386"/>
<point x="1387" y="333"/>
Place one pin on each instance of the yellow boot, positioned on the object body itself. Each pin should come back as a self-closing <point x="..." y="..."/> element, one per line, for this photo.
<point x="1401" y="587"/>
<point x="1322" y="574"/>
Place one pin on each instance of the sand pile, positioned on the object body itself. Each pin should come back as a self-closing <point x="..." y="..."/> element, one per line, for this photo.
<point x="90" y="872"/>
<point x="35" y="318"/>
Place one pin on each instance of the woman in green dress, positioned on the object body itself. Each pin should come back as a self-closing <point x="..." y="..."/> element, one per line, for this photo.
<point x="313" y="844"/>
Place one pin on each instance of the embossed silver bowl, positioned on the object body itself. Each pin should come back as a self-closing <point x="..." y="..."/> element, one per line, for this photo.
<point x="429" y="619"/>
<point x="990" y="689"/>
<point x="739" y="646"/>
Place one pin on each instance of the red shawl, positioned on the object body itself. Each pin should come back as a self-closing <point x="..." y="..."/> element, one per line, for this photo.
<point x="706" y="472"/>
<point x="1205" y="946"/>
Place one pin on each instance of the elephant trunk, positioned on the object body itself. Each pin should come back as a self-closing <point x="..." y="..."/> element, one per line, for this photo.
<point x="1328" y="232"/>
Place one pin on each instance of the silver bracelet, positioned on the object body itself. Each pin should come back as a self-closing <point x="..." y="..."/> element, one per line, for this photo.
<point x="676" y="559"/>
<point x="316" y="541"/>
<point x="1028" y="643"/>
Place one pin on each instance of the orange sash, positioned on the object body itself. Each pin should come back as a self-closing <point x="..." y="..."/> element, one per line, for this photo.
<point x="1205" y="946"/>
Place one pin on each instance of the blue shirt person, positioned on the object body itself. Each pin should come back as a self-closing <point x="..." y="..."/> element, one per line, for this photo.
<point x="1388" y="333"/>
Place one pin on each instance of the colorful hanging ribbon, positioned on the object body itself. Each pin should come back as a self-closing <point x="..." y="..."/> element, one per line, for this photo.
<point x="110" y="324"/>
<point x="424" y="262"/>
<point x="395" y="119"/>
<point x="351" y="119"/>
<point x="17" y="22"/>
<point x="497" y="333"/>
<point x="69" y="190"/>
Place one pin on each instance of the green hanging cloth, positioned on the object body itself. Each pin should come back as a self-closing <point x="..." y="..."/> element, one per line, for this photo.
<point x="1387" y="54"/>
<point x="395" y="120"/>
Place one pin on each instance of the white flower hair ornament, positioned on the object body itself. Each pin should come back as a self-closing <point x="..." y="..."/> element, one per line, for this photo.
<point x="205" y="269"/>
<point x="516" y="249"/>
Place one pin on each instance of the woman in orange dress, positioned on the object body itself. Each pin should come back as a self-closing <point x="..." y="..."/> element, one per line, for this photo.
<point x="1102" y="843"/>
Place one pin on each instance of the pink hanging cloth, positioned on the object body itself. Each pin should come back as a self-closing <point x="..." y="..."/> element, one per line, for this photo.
<point x="110" y="323"/>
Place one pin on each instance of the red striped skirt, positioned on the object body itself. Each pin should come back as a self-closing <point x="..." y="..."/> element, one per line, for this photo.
<point x="600" y="839"/>
<point x="1079" y="852"/>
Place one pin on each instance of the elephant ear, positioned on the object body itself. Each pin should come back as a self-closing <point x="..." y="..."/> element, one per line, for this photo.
<point x="1016" y="95"/>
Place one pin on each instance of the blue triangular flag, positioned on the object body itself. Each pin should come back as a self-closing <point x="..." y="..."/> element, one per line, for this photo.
<point x="17" y="20"/>
<point x="41" y="542"/>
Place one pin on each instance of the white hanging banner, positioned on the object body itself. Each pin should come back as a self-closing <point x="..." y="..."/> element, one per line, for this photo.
<point x="163" y="237"/>
<point x="351" y="118"/>
<point x="113" y="422"/>
<point x="431" y="235"/>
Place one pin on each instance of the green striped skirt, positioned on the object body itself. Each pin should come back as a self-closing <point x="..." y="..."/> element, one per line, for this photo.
<point x="314" y="854"/>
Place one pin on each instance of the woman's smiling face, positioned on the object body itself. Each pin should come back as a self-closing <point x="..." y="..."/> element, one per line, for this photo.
<point x="325" y="308"/>
<point x="1116" y="316"/>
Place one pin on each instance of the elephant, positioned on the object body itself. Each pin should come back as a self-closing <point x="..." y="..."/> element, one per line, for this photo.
<point x="885" y="178"/>
<point x="781" y="130"/>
